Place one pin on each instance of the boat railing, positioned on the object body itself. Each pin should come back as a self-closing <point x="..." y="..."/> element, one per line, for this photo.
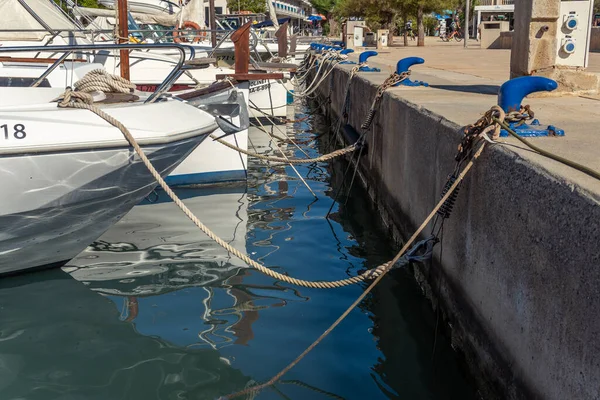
<point x="186" y="52"/>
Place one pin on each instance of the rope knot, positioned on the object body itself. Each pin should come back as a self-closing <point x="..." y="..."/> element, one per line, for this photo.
<point x="488" y="123"/>
<point x="70" y="97"/>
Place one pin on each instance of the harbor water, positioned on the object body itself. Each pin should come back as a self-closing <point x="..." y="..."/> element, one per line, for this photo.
<point x="155" y="310"/>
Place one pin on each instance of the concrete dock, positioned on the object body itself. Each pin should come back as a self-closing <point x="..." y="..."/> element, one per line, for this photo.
<point x="519" y="276"/>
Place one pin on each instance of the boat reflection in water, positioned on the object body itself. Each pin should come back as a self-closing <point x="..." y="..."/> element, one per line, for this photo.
<point x="169" y="278"/>
<point x="60" y="340"/>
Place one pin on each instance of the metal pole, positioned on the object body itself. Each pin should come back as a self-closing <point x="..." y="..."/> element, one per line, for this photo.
<point x="466" y="27"/>
<point x="123" y="37"/>
<point x="212" y="20"/>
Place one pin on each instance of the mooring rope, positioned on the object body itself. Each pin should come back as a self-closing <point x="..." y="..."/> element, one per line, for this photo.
<point x="326" y="157"/>
<point x="80" y="100"/>
<point x="98" y="80"/>
<point x="84" y="101"/>
<point x="360" y="298"/>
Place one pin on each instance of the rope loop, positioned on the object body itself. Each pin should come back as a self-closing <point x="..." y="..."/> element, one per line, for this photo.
<point x="98" y="80"/>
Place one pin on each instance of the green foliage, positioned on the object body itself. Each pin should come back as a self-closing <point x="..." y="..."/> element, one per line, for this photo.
<point x="430" y="24"/>
<point x="88" y="3"/>
<point x="389" y="13"/>
<point x="255" y="6"/>
<point x="377" y="13"/>
<point x="324" y="6"/>
<point x="81" y="3"/>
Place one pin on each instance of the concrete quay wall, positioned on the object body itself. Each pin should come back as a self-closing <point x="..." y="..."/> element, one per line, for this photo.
<point x="519" y="279"/>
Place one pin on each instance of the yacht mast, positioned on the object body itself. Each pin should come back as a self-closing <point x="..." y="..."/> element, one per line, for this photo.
<point x="272" y="14"/>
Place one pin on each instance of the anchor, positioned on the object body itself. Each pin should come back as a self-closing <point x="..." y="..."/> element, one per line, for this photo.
<point x="510" y="97"/>
<point x="404" y="66"/>
<point x="363" y="57"/>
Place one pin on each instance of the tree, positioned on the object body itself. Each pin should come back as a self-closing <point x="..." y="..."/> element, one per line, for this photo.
<point x="377" y="13"/>
<point x="384" y="13"/>
<point x="255" y="6"/>
<point x="423" y="7"/>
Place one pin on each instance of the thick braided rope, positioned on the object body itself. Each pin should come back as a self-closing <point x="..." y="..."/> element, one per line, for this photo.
<point x="325" y="157"/>
<point x="98" y="80"/>
<point x="82" y="104"/>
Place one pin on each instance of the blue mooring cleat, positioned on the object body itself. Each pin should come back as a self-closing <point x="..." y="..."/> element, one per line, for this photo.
<point x="404" y="65"/>
<point x="363" y="57"/>
<point x="511" y="95"/>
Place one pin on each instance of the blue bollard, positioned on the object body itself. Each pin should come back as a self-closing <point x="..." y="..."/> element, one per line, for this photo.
<point x="511" y="95"/>
<point x="363" y="57"/>
<point x="404" y="65"/>
<point x="347" y="51"/>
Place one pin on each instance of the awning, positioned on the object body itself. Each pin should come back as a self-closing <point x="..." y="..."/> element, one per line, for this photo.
<point x="264" y="24"/>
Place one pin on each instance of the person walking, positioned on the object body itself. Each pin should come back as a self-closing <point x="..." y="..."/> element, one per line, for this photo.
<point x="409" y="29"/>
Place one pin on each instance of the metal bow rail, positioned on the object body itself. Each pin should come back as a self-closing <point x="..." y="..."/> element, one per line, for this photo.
<point x="186" y="53"/>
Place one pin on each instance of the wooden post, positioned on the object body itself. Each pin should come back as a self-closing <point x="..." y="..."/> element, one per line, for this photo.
<point x="241" y="43"/>
<point x="293" y="42"/>
<point x="282" y="42"/>
<point x="212" y="20"/>
<point x="123" y="37"/>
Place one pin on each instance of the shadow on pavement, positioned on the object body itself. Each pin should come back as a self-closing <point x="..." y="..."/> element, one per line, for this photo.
<point x="481" y="89"/>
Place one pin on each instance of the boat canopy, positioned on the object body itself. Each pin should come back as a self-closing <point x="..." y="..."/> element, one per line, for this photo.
<point x="147" y="6"/>
<point x="160" y="19"/>
<point x="42" y="15"/>
<point x="264" y="24"/>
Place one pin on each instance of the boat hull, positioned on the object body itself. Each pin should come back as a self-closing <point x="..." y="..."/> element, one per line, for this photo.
<point x="81" y="194"/>
<point x="214" y="163"/>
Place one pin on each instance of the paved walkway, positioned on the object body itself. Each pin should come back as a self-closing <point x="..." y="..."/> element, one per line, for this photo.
<point x="464" y="83"/>
<point x="452" y="56"/>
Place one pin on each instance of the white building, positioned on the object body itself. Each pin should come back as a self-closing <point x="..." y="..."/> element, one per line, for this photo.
<point x="487" y="9"/>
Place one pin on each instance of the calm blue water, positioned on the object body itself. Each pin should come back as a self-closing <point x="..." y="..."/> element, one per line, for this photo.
<point x="155" y="310"/>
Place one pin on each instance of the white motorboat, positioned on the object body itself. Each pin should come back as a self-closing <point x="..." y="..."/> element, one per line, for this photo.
<point x="212" y="163"/>
<point x="268" y="97"/>
<point x="68" y="175"/>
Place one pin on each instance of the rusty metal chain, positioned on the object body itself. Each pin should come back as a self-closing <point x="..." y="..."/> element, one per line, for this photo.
<point x="524" y="114"/>
<point x="390" y="81"/>
<point x="483" y="126"/>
